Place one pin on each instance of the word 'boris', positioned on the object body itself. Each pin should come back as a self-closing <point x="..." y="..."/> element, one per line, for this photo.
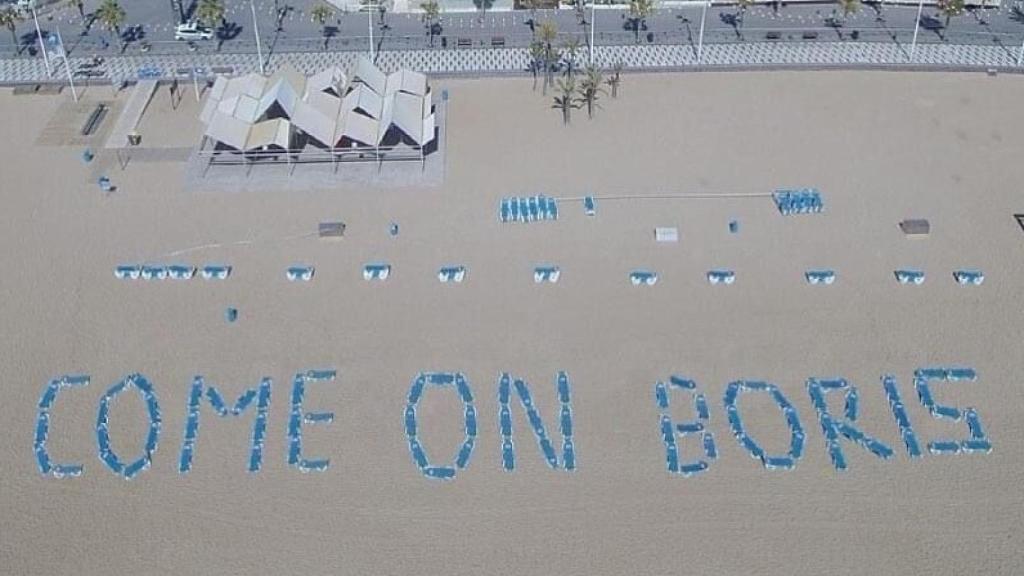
<point x="837" y="424"/>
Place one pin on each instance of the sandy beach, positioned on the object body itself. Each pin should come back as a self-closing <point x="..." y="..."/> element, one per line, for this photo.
<point x="881" y="147"/>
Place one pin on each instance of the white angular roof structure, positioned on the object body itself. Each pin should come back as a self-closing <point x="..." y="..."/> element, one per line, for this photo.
<point x="254" y="112"/>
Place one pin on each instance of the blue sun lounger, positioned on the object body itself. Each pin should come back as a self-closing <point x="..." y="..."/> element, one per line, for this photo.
<point x="543" y="274"/>
<point x="376" y="271"/>
<point x="820" y="276"/>
<point x="154" y="273"/>
<point x="296" y="273"/>
<point x="906" y="276"/>
<point x="451" y="274"/>
<point x="127" y="272"/>
<point x="589" y="208"/>
<point x="969" y="277"/>
<point x="643" y="278"/>
<point x="215" y="272"/>
<point x="721" y="276"/>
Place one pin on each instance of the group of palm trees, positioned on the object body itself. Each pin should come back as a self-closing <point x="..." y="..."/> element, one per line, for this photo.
<point x="576" y="88"/>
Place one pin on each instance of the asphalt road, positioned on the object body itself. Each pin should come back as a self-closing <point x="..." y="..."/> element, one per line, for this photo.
<point x="285" y="25"/>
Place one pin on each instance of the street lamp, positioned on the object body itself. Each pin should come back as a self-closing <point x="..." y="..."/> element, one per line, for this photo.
<point x="39" y="35"/>
<point x="593" y="20"/>
<point x="917" y="26"/>
<point x="700" y="36"/>
<point x="256" y="29"/>
<point x="369" y="26"/>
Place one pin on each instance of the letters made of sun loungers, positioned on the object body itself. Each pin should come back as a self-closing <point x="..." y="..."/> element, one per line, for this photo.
<point x="834" y="428"/>
<point x="297" y="418"/>
<point x="835" y="424"/>
<point x="798" y="201"/>
<point x="978" y="441"/>
<point x="527" y="209"/>
<point x="106" y="452"/>
<point x="46" y="465"/>
<point x="452" y="380"/>
<point x="506" y="385"/>
<point x="670" y="430"/>
<point x="796" y="444"/>
<point x="200" y="389"/>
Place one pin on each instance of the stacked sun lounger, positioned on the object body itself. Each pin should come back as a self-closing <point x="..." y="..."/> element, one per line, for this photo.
<point x="451" y="274"/>
<point x="909" y="276"/>
<point x="833" y="428"/>
<point x="969" y="277"/>
<point x="543" y="274"/>
<point x="643" y="278"/>
<point x="378" y="271"/>
<point x="42" y="435"/>
<point x="528" y="209"/>
<point x="797" y="435"/>
<point x="419" y="455"/>
<point x="798" y="201"/>
<point x="106" y="452"/>
<point x="978" y="442"/>
<point x="297" y="418"/>
<point x="721" y="276"/>
<point x="297" y="273"/>
<point x="820" y="276"/>
<point x="505" y="387"/>
<point x="670" y="431"/>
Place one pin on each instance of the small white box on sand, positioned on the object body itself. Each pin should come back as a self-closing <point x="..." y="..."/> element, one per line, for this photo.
<point x="666" y="234"/>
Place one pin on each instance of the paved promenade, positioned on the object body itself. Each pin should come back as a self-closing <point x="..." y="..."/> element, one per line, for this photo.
<point x="485" y="61"/>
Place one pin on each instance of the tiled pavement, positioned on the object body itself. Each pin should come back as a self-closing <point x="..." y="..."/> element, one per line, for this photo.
<point x="485" y="61"/>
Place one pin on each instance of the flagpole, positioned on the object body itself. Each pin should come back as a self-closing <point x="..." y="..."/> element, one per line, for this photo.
<point x="256" y="29"/>
<point x="39" y="35"/>
<point x="67" y="66"/>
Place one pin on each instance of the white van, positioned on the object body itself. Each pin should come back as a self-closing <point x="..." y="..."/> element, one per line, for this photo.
<point x="192" y="31"/>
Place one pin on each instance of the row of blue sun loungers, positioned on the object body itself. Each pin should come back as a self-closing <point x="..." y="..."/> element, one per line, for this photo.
<point x="297" y="418"/>
<point x="42" y="434"/>
<point x="820" y="276"/>
<point x="297" y="273"/>
<point x="978" y="441"/>
<point x="451" y="274"/>
<point x="721" y="276"/>
<point x="528" y="209"/>
<point x="669" y="432"/>
<point x="106" y="453"/>
<point x="643" y="278"/>
<point x="505" y="387"/>
<point x="797" y="436"/>
<point x="377" y="271"/>
<point x="799" y="201"/>
<point x="542" y="274"/>
<point x="832" y="429"/>
<point x="419" y="455"/>
<point x="174" y="272"/>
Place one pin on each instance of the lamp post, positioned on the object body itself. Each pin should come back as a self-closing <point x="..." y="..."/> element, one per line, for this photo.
<point x="593" y="20"/>
<point x="700" y="36"/>
<point x="369" y="26"/>
<point x="39" y="36"/>
<point x="917" y="26"/>
<point x="256" y="29"/>
<point x="67" y="67"/>
<point x="1020" y="55"/>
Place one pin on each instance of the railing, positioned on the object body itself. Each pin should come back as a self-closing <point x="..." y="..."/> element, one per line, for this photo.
<point x="85" y="47"/>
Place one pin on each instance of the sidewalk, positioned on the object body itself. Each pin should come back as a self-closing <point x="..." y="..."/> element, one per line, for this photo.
<point x="499" y="61"/>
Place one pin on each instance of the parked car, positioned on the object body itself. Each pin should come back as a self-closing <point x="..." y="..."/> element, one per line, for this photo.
<point x="192" y="31"/>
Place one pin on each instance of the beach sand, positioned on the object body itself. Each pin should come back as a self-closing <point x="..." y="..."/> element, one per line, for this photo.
<point x="880" y="146"/>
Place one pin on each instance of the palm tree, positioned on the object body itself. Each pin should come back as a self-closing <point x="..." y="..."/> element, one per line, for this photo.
<point x="565" y="101"/>
<point x="210" y="13"/>
<point x="571" y="49"/>
<point x="950" y="8"/>
<point x="79" y="5"/>
<point x="321" y="14"/>
<point x="431" y="17"/>
<point x="639" y="10"/>
<point x="615" y="79"/>
<point x="848" y="7"/>
<point x="179" y="11"/>
<point x="536" y="60"/>
<point x="10" y="17"/>
<point x="548" y="33"/>
<point x="111" y="15"/>
<point x="590" y="88"/>
<point x="532" y="6"/>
